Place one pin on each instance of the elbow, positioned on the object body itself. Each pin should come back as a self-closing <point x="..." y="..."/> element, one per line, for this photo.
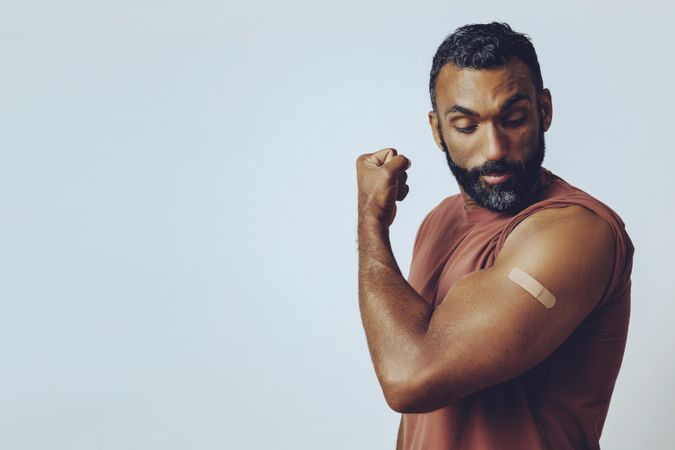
<point x="397" y="398"/>
<point x="414" y="395"/>
<point x="396" y="389"/>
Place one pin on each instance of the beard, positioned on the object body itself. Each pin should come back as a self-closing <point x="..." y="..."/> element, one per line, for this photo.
<point x="509" y="196"/>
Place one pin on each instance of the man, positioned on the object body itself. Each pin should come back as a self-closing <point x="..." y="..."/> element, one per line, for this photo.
<point x="510" y="330"/>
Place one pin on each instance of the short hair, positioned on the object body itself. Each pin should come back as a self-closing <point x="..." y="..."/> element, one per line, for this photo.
<point x="485" y="46"/>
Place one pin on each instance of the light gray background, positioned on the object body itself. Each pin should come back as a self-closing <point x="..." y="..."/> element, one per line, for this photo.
<point x="178" y="208"/>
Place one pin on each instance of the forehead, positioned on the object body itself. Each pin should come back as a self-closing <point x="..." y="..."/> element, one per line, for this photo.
<point x="482" y="88"/>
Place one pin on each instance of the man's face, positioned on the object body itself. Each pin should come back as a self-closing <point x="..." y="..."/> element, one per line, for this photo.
<point x="490" y="124"/>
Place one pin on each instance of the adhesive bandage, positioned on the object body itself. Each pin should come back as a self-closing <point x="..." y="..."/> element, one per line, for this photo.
<point x="534" y="287"/>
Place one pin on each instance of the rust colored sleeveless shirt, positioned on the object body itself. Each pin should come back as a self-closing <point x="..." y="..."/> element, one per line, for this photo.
<point x="560" y="403"/>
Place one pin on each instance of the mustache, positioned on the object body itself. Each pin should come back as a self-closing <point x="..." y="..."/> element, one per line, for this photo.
<point x="497" y="168"/>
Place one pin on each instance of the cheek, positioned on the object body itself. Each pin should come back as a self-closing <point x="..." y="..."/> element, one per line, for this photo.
<point x="460" y="151"/>
<point x="525" y="141"/>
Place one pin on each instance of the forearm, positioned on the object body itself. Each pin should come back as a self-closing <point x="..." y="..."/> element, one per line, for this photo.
<point x="395" y="317"/>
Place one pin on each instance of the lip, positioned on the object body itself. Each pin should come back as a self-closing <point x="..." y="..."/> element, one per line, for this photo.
<point x="495" y="179"/>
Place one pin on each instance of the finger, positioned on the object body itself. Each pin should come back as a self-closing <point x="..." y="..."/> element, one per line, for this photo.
<point x="402" y="192"/>
<point x="398" y="164"/>
<point x="376" y="159"/>
<point x="385" y="155"/>
<point x="401" y="186"/>
<point x="402" y="177"/>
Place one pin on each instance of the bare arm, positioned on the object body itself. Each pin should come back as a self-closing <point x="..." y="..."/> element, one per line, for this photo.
<point x="394" y="316"/>
<point x="488" y="329"/>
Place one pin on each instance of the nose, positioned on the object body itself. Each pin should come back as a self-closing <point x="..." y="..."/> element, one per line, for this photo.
<point x="496" y="145"/>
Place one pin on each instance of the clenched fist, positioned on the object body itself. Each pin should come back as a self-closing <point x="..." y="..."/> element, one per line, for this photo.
<point x="381" y="179"/>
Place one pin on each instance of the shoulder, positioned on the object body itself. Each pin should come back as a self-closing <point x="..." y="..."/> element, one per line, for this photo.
<point x="570" y="241"/>
<point x="561" y="193"/>
<point x="571" y="226"/>
<point x="565" y="212"/>
<point x="573" y="221"/>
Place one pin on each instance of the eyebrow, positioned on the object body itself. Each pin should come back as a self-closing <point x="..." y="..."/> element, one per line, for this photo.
<point x="506" y="105"/>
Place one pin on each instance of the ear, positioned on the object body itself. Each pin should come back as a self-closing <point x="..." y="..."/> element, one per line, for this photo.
<point x="546" y="105"/>
<point x="433" y="123"/>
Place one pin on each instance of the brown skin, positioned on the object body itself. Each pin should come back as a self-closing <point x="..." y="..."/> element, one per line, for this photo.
<point x="487" y="329"/>
<point x="491" y="134"/>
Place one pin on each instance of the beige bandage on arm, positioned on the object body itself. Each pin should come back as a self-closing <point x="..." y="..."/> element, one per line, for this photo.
<point x="534" y="287"/>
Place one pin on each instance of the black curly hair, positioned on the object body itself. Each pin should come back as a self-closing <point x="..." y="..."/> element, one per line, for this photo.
<point x="485" y="46"/>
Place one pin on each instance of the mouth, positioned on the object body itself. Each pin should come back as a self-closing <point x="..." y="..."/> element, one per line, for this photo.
<point x="495" y="179"/>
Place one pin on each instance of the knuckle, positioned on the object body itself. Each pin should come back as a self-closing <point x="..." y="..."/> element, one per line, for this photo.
<point x="361" y="159"/>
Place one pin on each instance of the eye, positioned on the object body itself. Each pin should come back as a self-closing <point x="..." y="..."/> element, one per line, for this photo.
<point x="515" y="121"/>
<point x="466" y="130"/>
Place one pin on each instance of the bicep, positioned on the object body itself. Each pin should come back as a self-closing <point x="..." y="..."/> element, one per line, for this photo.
<point x="489" y="329"/>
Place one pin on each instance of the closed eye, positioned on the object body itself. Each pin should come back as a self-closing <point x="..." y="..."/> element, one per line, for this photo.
<point x="515" y="122"/>
<point x="466" y="130"/>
